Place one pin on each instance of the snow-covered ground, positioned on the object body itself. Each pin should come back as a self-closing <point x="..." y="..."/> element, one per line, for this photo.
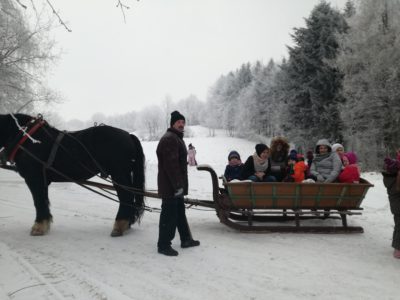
<point x="79" y="260"/>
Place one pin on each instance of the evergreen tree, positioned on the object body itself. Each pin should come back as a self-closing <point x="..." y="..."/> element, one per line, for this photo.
<point x="312" y="83"/>
<point x="349" y="9"/>
<point x="370" y="60"/>
<point x="266" y="111"/>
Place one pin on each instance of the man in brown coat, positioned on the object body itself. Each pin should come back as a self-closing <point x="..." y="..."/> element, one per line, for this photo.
<point x="172" y="186"/>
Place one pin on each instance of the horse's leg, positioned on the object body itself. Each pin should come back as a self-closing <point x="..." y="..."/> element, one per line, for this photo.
<point x="126" y="210"/>
<point x="39" y="190"/>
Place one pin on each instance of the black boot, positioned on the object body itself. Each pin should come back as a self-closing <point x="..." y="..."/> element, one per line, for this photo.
<point x="189" y="243"/>
<point x="168" y="251"/>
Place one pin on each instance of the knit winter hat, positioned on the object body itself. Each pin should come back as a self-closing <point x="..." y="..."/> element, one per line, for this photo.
<point x="337" y="146"/>
<point x="293" y="155"/>
<point x="352" y="157"/>
<point x="260" y="148"/>
<point x="175" y="116"/>
<point x="233" y="154"/>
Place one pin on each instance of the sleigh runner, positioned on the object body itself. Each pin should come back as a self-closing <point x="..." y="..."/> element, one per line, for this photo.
<point x="303" y="207"/>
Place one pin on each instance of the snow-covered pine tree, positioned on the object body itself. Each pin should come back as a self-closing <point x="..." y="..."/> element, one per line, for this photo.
<point x="312" y="83"/>
<point x="370" y="60"/>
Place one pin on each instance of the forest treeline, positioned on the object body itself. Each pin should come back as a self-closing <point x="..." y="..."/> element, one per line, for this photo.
<point x="341" y="81"/>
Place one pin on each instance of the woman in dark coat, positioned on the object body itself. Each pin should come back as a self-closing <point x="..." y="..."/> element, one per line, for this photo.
<point x="279" y="157"/>
<point x="391" y="180"/>
<point x="257" y="167"/>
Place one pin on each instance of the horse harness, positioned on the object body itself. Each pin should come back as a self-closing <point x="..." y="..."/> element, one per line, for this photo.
<point x="23" y="134"/>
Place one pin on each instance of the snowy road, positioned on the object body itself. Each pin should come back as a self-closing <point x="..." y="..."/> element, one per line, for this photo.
<point x="79" y="260"/>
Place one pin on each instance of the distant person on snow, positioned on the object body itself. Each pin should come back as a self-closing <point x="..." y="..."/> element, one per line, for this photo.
<point x="234" y="167"/>
<point x="172" y="186"/>
<point x="192" y="155"/>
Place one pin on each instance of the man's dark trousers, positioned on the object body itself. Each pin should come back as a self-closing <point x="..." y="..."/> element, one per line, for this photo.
<point x="172" y="216"/>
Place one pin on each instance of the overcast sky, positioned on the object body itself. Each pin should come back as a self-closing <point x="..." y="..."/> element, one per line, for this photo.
<point x="166" y="47"/>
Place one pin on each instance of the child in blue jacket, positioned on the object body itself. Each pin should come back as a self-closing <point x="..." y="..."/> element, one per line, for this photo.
<point x="234" y="167"/>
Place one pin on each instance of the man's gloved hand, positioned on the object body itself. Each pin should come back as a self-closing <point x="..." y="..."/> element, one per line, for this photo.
<point x="178" y="192"/>
<point x="320" y="178"/>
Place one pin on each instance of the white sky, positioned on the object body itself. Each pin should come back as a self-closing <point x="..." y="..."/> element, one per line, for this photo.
<point x="166" y="47"/>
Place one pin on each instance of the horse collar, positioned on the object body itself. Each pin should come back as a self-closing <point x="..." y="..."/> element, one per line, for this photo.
<point x="31" y="128"/>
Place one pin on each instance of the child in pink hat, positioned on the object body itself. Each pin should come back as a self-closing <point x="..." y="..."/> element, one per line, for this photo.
<point x="351" y="171"/>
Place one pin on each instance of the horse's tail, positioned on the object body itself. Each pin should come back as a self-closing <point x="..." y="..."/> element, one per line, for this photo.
<point x="138" y="178"/>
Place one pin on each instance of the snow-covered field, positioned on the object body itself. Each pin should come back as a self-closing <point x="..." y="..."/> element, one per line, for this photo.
<point x="79" y="260"/>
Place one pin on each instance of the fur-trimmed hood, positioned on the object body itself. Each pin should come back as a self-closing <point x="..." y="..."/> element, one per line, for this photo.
<point x="274" y="153"/>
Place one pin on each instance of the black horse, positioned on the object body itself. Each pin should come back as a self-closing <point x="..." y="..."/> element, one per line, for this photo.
<point x="50" y="155"/>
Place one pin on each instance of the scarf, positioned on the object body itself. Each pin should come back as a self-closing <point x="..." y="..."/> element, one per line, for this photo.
<point x="320" y="157"/>
<point x="236" y="163"/>
<point x="260" y="165"/>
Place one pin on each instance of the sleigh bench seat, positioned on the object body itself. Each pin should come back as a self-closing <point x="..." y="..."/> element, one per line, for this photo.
<point x="296" y="207"/>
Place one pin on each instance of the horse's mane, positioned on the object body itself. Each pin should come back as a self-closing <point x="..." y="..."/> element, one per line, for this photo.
<point x="23" y="119"/>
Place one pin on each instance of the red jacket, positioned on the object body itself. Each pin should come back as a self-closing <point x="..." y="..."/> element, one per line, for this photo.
<point x="299" y="171"/>
<point x="350" y="174"/>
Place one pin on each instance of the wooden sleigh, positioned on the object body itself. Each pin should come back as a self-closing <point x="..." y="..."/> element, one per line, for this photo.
<point x="275" y="207"/>
<point x="286" y="206"/>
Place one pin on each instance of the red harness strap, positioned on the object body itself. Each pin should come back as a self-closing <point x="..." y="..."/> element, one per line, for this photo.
<point x="24" y="138"/>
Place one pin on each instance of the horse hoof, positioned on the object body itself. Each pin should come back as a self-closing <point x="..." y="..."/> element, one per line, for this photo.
<point x="120" y="226"/>
<point x="40" y="228"/>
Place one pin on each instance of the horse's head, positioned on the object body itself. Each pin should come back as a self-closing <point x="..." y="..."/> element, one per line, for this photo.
<point x="4" y="128"/>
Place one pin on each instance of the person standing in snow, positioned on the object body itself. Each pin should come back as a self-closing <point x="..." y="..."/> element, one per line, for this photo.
<point x="192" y="155"/>
<point x="391" y="180"/>
<point x="172" y="182"/>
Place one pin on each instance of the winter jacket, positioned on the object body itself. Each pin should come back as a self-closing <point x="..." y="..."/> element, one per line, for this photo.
<point x="192" y="157"/>
<point x="172" y="164"/>
<point x="279" y="166"/>
<point x="350" y="174"/>
<point x="248" y="168"/>
<point x="389" y="180"/>
<point x="233" y="172"/>
<point x="326" y="167"/>
<point x="300" y="169"/>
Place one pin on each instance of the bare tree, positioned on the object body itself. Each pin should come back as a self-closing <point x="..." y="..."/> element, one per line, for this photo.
<point x="151" y="121"/>
<point x="25" y="55"/>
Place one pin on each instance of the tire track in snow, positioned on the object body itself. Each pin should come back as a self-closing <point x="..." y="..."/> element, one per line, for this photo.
<point x="73" y="281"/>
<point x="33" y="278"/>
